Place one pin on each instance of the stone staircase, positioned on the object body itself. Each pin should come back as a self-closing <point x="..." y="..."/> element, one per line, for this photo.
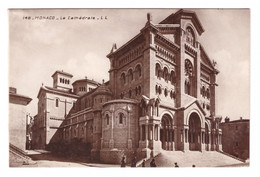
<point x="197" y="158"/>
<point x="18" y="157"/>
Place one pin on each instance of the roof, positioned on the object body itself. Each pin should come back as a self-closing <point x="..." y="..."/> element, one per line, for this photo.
<point x="57" y="91"/>
<point x="237" y="121"/>
<point x="86" y="80"/>
<point x="25" y="98"/>
<point x="103" y="89"/>
<point x="62" y="72"/>
<point x="185" y="14"/>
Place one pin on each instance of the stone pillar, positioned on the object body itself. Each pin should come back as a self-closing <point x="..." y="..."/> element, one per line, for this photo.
<point x="146" y="136"/>
<point x="209" y="143"/>
<point x="129" y="143"/>
<point x="140" y="130"/>
<point x="167" y="138"/>
<point x="153" y="132"/>
<point x="213" y="141"/>
<point x="171" y="143"/>
<point x="185" y="139"/>
<point x="111" y="141"/>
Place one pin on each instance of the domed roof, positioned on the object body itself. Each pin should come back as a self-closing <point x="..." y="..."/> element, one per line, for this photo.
<point x="102" y="89"/>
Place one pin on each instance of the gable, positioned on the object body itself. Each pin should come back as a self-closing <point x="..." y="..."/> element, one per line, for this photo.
<point x="205" y="59"/>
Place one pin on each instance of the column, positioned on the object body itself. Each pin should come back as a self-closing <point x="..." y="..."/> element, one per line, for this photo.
<point x="111" y="142"/>
<point x="140" y="129"/>
<point x="171" y="144"/>
<point x="153" y="132"/>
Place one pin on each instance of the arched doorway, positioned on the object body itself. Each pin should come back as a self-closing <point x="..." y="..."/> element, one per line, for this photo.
<point x="167" y="132"/>
<point x="194" y="132"/>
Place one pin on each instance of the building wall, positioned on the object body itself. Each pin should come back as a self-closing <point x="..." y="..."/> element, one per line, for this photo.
<point x="235" y="140"/>
<point x="57" y="108"/>
<point x="17" y="125"/>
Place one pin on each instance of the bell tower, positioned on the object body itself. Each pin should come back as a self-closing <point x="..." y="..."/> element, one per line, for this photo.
<point x="62" y="80"/>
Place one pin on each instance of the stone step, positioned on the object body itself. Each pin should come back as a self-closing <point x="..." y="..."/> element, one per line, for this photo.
<point x="197" y="158"/>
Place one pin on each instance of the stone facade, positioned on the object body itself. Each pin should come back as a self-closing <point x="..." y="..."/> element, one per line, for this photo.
<point x="235" y="139"/>
<point x="160" y="96"/>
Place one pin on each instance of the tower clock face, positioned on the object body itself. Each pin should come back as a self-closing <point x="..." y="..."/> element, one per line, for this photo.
<point x="188" y="68"/>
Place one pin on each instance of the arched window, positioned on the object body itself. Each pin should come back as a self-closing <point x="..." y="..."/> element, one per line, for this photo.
<point x="121" y="116"/>
<point x="130" y="75"/>
<point x="203" y="91"/>
<point x="82" y="131"/>
<point x="107" y="119"/>
<point x="187" y="87"/>
<point x="165" y="92"/>
<point x="123" y="79"/>
<point x="173" y="79"/>
<point x="122" y="95"/>
<point x="139" y="90"/>
<point x="165" y="74"/>
<point x="136" y="91"/>
<point x="190" y="36"/>
<point x="60" y="80"/>
<point x="57" y="102"/>
<point x="208" y="93"/>
<point x="156" y="89"/>
<point x="157" y="70"/>
<point x="130" y="93"/>
<point x="138" y="71"/>
<point x="159" y="90"/>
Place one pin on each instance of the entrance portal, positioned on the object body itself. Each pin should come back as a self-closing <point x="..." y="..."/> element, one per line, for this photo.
<point x="167" y="132"/>
<point x="194" y="132"/>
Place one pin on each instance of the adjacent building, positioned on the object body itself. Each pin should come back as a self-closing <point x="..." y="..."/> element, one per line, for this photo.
<point x="160" y="96"/>
<point x="17" y="125"/>
<point x="235" y="139"/>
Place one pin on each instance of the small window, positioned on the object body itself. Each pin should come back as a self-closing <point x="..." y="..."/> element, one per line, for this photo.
<point x="121" y="115"/>
<point x="57" y="102"/>
<point x="123" y="80"/>
<point x="139" y="90"/>
<point x="130" y="93"/>
<point x="60" y="80"/>
<point x="165" y="92"/>
<point x="107" y="119"/>
<point x="130" y="75"/>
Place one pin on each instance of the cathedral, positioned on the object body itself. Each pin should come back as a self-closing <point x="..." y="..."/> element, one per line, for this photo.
<point x="160" y="97"/>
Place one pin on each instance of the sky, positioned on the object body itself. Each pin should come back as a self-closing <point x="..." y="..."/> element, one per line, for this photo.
<point x="37" y="48"/>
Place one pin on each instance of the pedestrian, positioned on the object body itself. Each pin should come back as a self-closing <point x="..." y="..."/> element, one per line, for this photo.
<point x="143" y="163"/>
<point x="152" y="163"/>
<point x="176" y="165"/>
<point x="123" y="161"/>
<point x="133" y="163"/>
<point x="193" y="165"/>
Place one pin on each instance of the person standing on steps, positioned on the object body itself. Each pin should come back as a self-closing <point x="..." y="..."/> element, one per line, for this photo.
<point x="176" y="165"/>
<point x="152" y="163"/>
<point x="123" y="161"/>
<point x="133" y="163"/>
<point x="143" y="163"/>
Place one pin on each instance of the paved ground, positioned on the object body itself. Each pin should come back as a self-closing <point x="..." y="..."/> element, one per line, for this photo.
<point x="165" y="159"/>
